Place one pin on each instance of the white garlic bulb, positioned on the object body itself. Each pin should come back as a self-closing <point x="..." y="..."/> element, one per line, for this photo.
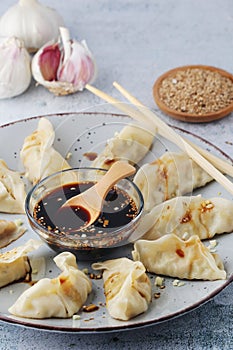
<point x="15" y="67"/>
<point x="64" y="67"/>
<point x="32" y="22"/>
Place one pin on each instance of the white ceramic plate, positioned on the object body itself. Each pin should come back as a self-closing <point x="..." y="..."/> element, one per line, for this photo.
<point x="80" y="133"/>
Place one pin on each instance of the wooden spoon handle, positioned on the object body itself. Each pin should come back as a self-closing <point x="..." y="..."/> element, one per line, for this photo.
<point x="118" y="171"/>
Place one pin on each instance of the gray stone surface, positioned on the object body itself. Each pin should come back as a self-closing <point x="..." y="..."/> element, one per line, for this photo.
<point x="135" y="41"/>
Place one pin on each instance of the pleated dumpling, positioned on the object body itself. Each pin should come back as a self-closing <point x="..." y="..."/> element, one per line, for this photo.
<point x="12" y="190"/>
<point x="127" y="288"/>
<point x="60" y="297"/>
<point x="186" y="216"/>
<point x="130" y="144"/>
<point x="174" y="257"/>
<point x="15" y="264"/>
<point x="10" y="231"/>
<point x="171" y="175"/>
<point x="38" y="155"/>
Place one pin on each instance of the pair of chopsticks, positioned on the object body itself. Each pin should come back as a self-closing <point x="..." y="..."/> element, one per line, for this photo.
<point x="213" y="165"/>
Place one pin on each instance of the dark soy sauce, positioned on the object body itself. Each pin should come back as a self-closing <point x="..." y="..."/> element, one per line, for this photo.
<point x="118" y="210"/>
<point x="72" y="218"/>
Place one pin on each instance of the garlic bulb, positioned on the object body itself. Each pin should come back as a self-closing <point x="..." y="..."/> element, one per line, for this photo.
<point x="15" y="67"/>
<point x="64" y="67"/>
<point x="32" y="22"/>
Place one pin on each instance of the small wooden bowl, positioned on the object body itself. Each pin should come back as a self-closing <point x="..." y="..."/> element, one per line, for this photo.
<point x="185" y="116"/>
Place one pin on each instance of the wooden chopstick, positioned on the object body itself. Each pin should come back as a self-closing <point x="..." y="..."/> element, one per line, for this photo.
<point x="170" y="134"/>
<point x="166" y="131"/>
<point x="136" y="115"/>
<point x="219" y="163"/>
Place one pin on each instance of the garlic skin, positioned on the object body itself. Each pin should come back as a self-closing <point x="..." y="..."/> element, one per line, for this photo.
<point x="64" y="67"/>
<point x="32" y="22"/>
<point x="15" y="67"/>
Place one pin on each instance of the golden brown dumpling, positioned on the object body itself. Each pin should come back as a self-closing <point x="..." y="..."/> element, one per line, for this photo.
<point x="12" y="190"/>
<point x="38" y="155"/>
<point x="127" y="288"/>
<point x="14" y="264"/>
<point x="171" y="175"/>
<point x="186" y="216"/>
<point x="130" y="144"/>
<point x="60" y="297"/>
<point x="172" y="256"/>
<point x="10" y="231"/>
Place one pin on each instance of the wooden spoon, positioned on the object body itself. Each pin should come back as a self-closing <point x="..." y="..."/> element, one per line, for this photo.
<point x="90" y="202"/>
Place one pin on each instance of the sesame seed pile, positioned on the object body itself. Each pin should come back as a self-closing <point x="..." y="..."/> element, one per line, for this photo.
<point x="196" y="91"/>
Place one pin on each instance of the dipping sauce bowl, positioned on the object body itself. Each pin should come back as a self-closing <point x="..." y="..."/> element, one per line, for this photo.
<point x="61" y="229"/>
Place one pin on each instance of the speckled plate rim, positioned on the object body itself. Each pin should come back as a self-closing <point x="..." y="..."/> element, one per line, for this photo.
<point x="188" y="117"/>
<point x="123" y="327"/>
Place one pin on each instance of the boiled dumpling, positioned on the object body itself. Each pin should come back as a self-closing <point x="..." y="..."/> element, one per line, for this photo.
<point x="61" y="297"/>
<point x="10" y="231"/>
<point x="15" y="264"/>
<point x="130" y="144"/>
<point x="38" y="155"/>
<point x="172" y="256"/>
<point x="12" y="190"/>
<point x="127" y="288"/>
<point x="171" y="175"/>
<point x="186" y="216"/>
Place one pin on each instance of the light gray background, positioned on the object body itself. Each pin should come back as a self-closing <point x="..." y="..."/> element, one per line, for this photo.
<point x="135" y="41"/>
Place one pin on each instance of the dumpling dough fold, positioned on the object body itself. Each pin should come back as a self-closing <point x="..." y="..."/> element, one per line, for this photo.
<point x="38" y="155"/>
<point x="171" y="175"/>
<point x="14" y="264"/>
<point x="59" y="297"/>
<point x="130" y="144"/>
<point x="174" y="257"/>
<point x="127" y="288"/>
<point x="12" y="190"/>
<point x="186" y="216"/>
<point x="10" y="231"/>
